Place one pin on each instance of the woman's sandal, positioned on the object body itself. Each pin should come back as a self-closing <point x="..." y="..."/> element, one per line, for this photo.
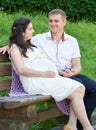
<point x="66" y="127"/>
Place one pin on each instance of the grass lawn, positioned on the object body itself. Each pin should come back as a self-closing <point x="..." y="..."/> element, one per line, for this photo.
<point x="85" y="32"/>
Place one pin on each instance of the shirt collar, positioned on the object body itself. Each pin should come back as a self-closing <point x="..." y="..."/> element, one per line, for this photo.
<point x="64" y="36"/>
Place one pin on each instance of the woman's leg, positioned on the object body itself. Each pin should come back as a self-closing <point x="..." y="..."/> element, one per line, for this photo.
<point x="90" y="98"/>
<point x="78" y="107"/>
<point x="72" y="119"/>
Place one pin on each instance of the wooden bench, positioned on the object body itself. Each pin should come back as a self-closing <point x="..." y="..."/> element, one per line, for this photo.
<point x="17" y="113"/>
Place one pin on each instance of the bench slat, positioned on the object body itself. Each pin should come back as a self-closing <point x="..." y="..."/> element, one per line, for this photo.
<point x="5" y="70"/>
<point x="19" y="113"/>
<point x="4" y="57"/>
<point x="10" y="103"/>
<point x="5" y="84"/>
<point x="45" y="115"/>
<point x="8" y="124"/>
<point x="23" y="112"/>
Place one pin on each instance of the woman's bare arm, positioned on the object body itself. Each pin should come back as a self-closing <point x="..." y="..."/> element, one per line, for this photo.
<point x="16" y="58"/>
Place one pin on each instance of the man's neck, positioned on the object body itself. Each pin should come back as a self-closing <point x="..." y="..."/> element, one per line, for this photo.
<point x="57" y="36"/>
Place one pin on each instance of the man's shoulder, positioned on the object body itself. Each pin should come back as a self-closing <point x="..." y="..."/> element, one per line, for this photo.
<point x="70" y="37"/>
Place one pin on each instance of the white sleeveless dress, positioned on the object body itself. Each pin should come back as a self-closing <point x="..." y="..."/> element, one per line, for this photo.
<point x="58" y="87"/>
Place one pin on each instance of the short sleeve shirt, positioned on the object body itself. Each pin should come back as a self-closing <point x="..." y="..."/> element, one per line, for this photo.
<point x="62" y="52"/>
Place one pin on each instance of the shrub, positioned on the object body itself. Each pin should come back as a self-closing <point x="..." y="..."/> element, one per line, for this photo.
<point x="75" y="9"/>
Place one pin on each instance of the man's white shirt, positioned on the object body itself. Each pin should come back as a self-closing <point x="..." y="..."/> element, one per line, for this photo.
<point x="61" y="53"/>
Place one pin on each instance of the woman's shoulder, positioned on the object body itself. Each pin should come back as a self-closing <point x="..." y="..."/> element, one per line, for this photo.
<point x="13" y="45"/>
<point x="13" y="48"/>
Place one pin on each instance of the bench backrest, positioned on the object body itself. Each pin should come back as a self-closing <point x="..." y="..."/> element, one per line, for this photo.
<point x="5" y="72"/>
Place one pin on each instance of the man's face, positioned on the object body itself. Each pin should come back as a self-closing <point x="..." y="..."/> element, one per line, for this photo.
<point x="56" y="23"/>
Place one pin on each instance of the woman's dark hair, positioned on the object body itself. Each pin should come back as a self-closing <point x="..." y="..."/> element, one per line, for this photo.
<point x="19" y="26"/>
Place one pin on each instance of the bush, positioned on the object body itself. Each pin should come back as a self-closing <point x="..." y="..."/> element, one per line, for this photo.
<point x="75" y="9"/>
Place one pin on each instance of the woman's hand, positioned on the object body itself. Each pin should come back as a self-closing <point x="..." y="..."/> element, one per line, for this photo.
<point x="4" y="49"/>
<point x="49" y="74"/>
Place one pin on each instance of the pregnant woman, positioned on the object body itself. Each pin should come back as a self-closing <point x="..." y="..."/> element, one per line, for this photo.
<point x="39" y="75"/>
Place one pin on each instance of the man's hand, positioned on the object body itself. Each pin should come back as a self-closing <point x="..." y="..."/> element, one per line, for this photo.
<point x="67" y="73"/>
<point x="4" y="49"/>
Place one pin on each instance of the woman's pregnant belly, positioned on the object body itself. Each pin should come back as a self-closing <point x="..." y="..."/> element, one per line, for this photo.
<point x="30" y="83"/>
<point x="41" y="64"/>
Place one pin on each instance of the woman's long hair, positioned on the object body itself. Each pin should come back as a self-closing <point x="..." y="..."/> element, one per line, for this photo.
<point x="19" y="26"/>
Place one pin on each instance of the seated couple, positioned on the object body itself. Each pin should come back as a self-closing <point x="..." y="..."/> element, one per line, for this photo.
<point x="39" y="75"/>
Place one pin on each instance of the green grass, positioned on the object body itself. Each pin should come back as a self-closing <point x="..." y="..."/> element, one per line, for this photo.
<point x="85" y="32"/>
<point x="86" y="36"/>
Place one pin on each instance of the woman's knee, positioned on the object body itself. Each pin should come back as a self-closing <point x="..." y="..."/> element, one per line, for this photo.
<point x="79" y="92"/>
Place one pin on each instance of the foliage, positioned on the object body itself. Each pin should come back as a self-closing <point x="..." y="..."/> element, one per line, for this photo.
<point x="75" y="9"/>
<point x="84" y="31"/>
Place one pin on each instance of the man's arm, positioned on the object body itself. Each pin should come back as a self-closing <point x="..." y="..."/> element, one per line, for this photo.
<point x="4" y="49"/>
<point x="76" y="68"/>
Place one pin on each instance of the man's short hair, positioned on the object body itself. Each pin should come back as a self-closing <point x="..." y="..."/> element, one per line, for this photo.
<point x="58" y="11"/>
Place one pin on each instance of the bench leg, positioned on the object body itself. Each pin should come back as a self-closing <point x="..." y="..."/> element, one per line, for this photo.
<point x="6" y="124"/>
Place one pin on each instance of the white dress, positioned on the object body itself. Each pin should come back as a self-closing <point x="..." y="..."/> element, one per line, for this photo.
<point x="58" y="87"/>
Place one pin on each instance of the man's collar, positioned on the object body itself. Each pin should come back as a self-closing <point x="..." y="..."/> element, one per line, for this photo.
<point x="64" y="36"/>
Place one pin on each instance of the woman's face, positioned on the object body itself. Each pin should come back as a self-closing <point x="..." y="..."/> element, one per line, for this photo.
<point x="28" y="32"/>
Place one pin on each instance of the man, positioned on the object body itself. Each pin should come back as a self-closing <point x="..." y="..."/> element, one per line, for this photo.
<point x="63" y="50"/>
